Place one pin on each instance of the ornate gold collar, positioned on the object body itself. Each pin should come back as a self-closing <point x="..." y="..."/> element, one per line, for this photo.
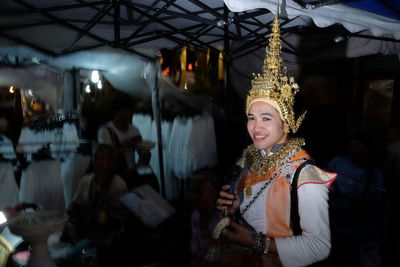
<point x="260" y="165"/>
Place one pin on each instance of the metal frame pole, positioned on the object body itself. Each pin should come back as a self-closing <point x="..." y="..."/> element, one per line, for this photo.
<point x="157" y="117"/>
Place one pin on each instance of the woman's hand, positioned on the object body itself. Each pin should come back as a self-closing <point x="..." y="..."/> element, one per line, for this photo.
<point x="130" y="143"/>
<point x="227" y="201"/>
<point x="239" y="234"/>
<point x="136" y="140"/>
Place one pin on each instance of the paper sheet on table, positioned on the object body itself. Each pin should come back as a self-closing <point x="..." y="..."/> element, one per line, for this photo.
<point x="148" y="205"/>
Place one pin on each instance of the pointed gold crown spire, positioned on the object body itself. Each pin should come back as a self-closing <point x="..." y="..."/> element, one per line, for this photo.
<point x="273" y="84"/>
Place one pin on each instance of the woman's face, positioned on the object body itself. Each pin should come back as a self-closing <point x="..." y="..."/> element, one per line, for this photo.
<point x="265" y="126"/>
<point x="103" y="162"/>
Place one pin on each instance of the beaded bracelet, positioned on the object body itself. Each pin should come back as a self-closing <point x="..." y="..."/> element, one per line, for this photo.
<point x="261" y="244"/>
<point x="267" y="242"/>
<point x="258" y="247"/>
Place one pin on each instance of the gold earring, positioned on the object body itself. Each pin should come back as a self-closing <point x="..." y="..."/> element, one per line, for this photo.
<point x="286" y="129"/>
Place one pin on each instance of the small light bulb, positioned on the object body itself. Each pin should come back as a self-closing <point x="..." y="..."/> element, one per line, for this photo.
<point x="87" y="88"/>
<point x="99" y="85"/>
<point x="30" y="92"/>
<point x="12" y="91"/>
<point x="95" y="77"/>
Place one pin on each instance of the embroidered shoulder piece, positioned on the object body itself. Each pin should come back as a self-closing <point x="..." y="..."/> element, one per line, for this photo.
<point x="314" y="175"/>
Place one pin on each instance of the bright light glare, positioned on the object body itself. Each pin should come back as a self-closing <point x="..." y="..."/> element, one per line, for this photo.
<point x="3" y="218"/>
<point x="12" y="89"/>
<point x="87" y="88"/>
<point x="30" y="92"/>
<point x="99" y="84"/>
<point x="95" y="77"/>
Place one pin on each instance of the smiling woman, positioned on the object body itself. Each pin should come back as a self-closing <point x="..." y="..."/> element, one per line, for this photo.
<point x="268" y="224"/>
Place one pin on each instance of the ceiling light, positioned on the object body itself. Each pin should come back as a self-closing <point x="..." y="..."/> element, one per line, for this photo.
<point x="99" y="85"/>
<point x="340" y="38"/>
<point x="95" y="76"/>
<point x="87" y="88"/>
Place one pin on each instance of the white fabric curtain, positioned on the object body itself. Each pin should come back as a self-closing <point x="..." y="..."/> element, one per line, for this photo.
<point x="73" y="169"/>
<point x="41" y="184"/>
<point x="8" y="186"/>
<point x="63" y="141"/>
<point x="189" y="144"/>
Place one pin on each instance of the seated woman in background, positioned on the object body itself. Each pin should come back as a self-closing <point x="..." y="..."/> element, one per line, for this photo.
<point x="96" y="214"/>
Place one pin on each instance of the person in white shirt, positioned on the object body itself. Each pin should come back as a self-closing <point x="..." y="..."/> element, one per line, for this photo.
<point x="123" y="136"/>
<point x="120" y="133"/>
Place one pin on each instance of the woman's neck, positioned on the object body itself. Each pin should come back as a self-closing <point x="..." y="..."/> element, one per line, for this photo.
<point x="276" y="147"/>
<point x="120" y="124"/>
<point x="273" y="149"/>
<point x="101" y="179"/>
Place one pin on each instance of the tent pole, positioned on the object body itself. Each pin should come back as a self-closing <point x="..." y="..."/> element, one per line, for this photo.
<point x="157" y="117"/>
<point x="395" y="106"/>
<point x="227" y="54"/>
<point x="117" y="23"/>
<point x="75" y="88"/>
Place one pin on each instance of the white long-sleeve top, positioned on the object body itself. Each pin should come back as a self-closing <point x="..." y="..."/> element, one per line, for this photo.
<point x="314" y="243"/>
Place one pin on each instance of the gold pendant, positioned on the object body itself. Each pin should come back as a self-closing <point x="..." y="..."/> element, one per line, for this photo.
<point x="249" y="192"/>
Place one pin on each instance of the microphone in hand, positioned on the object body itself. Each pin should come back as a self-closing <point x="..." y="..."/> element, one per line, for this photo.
<point x="234" y="173"/>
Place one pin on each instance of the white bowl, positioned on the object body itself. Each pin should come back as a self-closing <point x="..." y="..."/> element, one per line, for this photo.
<point x="145" y="145"/>
<point x="35" y="227"/>
<point x="37" y="222"/>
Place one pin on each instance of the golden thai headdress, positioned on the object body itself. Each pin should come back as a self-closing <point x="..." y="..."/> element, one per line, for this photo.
<point x="273" y="83"/>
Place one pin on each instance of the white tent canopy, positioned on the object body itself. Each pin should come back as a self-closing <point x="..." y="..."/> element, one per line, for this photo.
<point x="352" y="19"/>
<point x="67" y="26"/>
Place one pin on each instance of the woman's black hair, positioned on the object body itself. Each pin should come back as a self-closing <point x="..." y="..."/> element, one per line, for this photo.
<point x="121" y="102"/>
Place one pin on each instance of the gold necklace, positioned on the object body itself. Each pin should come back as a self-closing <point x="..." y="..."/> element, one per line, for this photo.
<point x="260" y="165"/>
